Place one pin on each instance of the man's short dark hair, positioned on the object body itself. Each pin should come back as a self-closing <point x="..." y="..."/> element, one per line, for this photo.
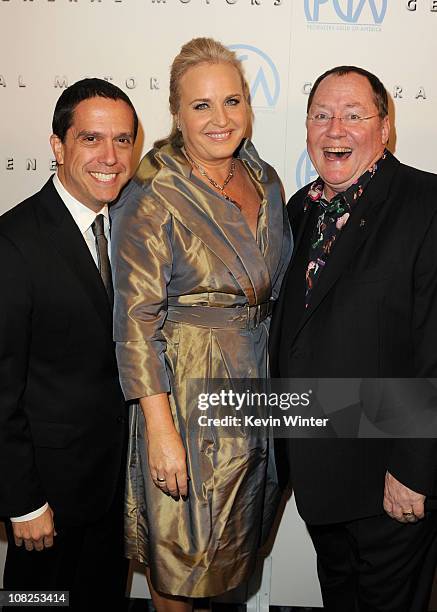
<point x="379" y="91"/>
<point x="80" y="91"/>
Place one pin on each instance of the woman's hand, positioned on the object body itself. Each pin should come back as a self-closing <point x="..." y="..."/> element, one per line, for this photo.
<point x="166" y="453"/>
<point x="167" y="462"/>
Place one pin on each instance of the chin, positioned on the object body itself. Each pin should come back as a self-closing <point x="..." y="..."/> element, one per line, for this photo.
<point x="227" y="146"/>
<point x="104" y="198"/>
<point x="337" y="180"/>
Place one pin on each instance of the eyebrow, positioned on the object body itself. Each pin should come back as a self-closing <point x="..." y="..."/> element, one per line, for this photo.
<point x="234" y="95"/>
<point x="350" y="105"/>
<point x="95" y="133"/>
<point x="87" y="133"/>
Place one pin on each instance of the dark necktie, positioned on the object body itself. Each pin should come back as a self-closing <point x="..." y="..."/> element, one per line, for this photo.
<point x="102" y="256"/>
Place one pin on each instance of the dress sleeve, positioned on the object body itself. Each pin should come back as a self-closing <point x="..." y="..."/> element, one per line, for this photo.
<point x="141" y="257"/>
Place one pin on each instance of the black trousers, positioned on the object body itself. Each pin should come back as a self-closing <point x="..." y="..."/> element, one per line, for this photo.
<point x="376" y="564"/>
<point x="88" y="561"/>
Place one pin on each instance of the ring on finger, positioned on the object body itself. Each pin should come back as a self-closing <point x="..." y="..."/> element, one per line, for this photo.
<point x="409" y="517"/>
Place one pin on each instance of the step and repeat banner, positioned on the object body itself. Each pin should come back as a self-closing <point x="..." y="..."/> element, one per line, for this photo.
<point x="284" y="44"/>
<point x="45" y="45"/>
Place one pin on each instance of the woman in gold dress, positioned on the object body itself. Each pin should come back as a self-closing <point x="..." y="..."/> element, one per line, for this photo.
<point x="200" y="245"/>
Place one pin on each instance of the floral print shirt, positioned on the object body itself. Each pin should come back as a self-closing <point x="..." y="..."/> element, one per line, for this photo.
<point x="333" y="216"/>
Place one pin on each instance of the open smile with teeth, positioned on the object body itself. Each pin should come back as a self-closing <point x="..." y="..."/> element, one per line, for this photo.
<point x="337" y="153"/>
<point x="104" y="178"/>
<point x="218" y="135"/>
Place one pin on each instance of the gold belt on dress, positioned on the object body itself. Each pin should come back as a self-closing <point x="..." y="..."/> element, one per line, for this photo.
<point x="239" y="317"/>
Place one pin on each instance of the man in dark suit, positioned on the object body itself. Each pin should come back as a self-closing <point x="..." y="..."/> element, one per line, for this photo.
<point x="62" y="415"/>
<point x="360" y="300"/>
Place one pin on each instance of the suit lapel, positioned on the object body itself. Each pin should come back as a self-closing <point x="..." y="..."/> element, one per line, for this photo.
<point x="60" y="228"/>
<point x="286" y="311"/>
<point x="300" y="223"/>
<point x="352" y="238"/>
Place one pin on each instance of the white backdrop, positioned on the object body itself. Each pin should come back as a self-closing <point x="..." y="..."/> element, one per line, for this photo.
<point x="285" y="44"/>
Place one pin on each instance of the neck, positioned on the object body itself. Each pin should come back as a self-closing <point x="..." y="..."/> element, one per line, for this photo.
<point x="328" y="193"/>
<point x="217" y="182"/>
<point x="216" y="169"/>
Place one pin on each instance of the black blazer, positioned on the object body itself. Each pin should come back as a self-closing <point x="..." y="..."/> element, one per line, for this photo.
<point x="61" y="408"/>
<point x="373" y="313"/>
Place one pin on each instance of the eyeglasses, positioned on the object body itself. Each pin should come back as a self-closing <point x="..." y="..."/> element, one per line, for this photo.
<point x="349" y="120"/>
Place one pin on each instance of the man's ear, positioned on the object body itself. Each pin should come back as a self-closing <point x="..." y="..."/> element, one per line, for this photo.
<point x="57" y="148"/>
<point x="385" y="130"/>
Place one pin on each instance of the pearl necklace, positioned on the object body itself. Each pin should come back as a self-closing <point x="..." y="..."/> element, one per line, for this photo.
<point x="214" y="183"/>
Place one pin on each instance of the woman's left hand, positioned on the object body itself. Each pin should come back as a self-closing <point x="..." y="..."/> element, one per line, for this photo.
<point x="166" y="452"/>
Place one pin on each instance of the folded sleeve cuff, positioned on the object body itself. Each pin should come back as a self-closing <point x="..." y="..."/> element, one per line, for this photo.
<point x="142" y="368"/>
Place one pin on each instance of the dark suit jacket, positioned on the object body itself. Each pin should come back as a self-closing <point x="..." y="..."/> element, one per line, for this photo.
<point x="373" y="313"/>
<point x="61" y="408"/>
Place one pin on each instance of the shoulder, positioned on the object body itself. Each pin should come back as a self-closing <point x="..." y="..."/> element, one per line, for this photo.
<point x="20" y="220"/>
<point x="137" y="209"/>
<point x="298" y="198"/>
<point x="419" y="179"/>
<point x="416" y="193"/>
<point x="296" y="203"/>
<point x="18" y="236"/>
<point x="158" y="166"/>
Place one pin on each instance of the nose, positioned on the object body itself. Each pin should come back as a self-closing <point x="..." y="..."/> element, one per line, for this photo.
<point x="108" y="153"/>
<point x="335" y="128"/>
<point x="220" y="117"/>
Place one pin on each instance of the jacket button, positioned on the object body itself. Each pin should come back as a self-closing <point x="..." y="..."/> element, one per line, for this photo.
<point x="121" y="419"/>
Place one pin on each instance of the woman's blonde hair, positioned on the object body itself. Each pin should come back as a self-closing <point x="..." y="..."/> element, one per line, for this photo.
<point x="195" y="52"/>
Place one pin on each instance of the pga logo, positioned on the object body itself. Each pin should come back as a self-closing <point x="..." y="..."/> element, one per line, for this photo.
<point x="347" y="11"/>
<point x="305" y="171"/>
<point x="264" y="81"/>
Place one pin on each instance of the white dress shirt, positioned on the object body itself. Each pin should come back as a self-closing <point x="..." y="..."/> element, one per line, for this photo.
<point x="84" y="218"/>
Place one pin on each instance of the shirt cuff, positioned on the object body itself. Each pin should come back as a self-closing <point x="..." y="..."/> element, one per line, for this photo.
<point x="31" y="515"/>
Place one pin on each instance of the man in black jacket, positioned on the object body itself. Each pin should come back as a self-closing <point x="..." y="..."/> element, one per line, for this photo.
<point x="62" y="413"/>
<point x="360" y="300"/>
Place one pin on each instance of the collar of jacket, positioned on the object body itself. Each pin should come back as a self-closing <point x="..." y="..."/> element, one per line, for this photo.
<point x="172" y="157"/>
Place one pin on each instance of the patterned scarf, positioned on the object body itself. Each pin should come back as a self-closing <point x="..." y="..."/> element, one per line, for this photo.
<point x="333" y="216"/>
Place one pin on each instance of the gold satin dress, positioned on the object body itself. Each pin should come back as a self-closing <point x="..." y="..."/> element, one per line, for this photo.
<point x="186" y="268"/>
